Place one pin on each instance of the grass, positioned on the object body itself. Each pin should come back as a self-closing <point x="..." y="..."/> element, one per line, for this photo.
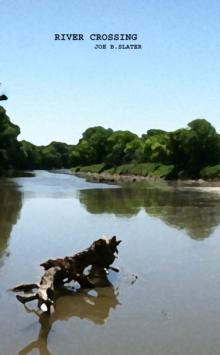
<point x="144" y="169"/>
<point x="95" y="168"/>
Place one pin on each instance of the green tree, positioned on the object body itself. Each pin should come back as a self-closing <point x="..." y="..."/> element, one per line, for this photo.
<point x="195" y="147"/>
<point x="51" y="159"/>
<point x="116" y="147"/>
<point x="157" y="148"/>
<point x="64" y="150"/>
<point x="32" y="158"/>
<point x="10" y="152"/>
<point x="134" y="151"/>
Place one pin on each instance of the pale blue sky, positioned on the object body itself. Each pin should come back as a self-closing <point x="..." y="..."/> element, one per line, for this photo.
<point x="58" y="89"/>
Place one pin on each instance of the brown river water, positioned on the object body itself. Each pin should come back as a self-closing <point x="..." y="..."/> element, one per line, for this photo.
<point x="170" y="240"/>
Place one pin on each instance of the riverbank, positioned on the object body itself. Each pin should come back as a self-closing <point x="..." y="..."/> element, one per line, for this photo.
<point x="146" y="171"/>
<point x="107" y="177"/>
<point x="113" y="178"/>
<point x="123" y="178"/>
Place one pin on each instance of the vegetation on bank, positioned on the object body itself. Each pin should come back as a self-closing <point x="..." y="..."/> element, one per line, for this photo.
<point x="191" y="152"/>
<point x="144" y="169"/>
<point x="211" y="172"/>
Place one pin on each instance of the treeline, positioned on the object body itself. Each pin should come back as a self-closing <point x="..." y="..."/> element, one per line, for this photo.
<point x="20" y="155"/>
<point x="187" y="152"/>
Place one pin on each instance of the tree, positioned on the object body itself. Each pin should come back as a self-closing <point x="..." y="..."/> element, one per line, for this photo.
<point x="157" y="148"/>
<point x="64" y="150"/>
<point x="116" y="146"/>
<point x="195" y="147"/>
<point x="32" y="156"/>
<point x="51" y="159"/>
<point x="204" y="144"/>
<point x="134" y="151"/>
<point x="10" y="152"/>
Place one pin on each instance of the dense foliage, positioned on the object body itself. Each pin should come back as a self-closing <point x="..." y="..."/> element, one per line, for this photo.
<point x="10" y="152"/>
<point x="187" y="152"/>
<point x="179" y="154"/>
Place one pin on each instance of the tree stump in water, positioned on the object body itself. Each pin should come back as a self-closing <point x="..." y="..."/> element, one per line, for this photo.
<point x="99" y="256"/>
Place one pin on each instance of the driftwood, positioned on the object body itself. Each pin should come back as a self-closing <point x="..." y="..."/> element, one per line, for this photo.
<point x="99" y="256"/>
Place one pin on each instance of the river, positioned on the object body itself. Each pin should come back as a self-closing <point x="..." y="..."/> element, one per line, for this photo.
<point x="170" y="240"/>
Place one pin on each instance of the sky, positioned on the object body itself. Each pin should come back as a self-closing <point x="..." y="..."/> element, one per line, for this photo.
<point x="57" y="89"/>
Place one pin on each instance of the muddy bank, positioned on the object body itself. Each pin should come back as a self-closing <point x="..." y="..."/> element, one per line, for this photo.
<point x="114" y="178"/>
<point x="107" y="177"/>
<point x="120" y="178"/>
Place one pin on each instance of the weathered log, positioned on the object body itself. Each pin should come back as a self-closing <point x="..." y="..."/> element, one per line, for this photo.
<point x="99" y="256"/>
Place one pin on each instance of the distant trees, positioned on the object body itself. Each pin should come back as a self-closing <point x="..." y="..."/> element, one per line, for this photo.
<point x="157" y="148"/>
<point x="195" y="147"/>
<point x="55" y="155"/>
<point x="134" y="151"/>
<point x="32" y="158"/>
<point x="117" y="146"/>
<point x="189" y="149"/>
<point x="92" y="147"/>
<point x="10" y="152"/>
<point x="25" y="155"/>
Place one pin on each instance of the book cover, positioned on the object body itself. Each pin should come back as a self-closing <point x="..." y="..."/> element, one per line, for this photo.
<point x="109" y="147"/>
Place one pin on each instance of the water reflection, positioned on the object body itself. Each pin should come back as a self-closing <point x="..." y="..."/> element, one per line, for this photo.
<point x="94" y="306"/>
<point x="10" y="206"/>
<point x="198" y="213"/>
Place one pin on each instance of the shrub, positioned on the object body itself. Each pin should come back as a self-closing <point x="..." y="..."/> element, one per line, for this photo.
<point x="210" y="172"/>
